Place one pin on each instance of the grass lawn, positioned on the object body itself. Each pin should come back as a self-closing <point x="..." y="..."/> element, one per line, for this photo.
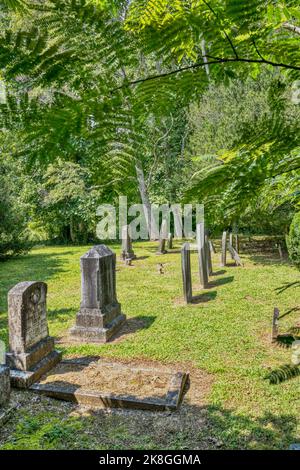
<point x="223" y="340"/>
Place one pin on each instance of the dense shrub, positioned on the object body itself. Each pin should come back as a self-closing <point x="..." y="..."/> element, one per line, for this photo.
<point x="293" y="240"/>
<point x="13" y="221"/>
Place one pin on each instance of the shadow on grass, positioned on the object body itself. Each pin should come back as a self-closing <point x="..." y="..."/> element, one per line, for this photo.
<point x="283" y="373"/>
<point x="267" y="259"/>
<point x="132" y="325"/>
<point x="221" y="282"/>
<point x="291" y="310"/>
<point x="285" y="340"/>
<point x="287" y="285"/>
<point x="219" y="273"/>
<point x="191" y="427"/>
<point x="203" y="298"/>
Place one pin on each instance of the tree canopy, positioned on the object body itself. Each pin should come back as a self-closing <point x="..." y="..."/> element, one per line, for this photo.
<point x="109" y="86"/>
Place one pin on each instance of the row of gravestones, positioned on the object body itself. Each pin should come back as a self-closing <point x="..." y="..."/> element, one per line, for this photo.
<point x="31" y="349"/>
<point x="205" y="247"/>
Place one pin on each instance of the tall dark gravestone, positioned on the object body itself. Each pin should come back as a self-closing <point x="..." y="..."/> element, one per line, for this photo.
<point x="223" y="249"/>
<point x="186" y="272"/>
<point x="162" y="239"/>
<point x="100" y="314"/>
<point x="202" y="254"/>
<point x="208" y="256"/>
<point x="127" y="251"/>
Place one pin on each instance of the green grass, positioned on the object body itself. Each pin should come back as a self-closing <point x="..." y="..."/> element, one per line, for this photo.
<point x="226" y="335"/>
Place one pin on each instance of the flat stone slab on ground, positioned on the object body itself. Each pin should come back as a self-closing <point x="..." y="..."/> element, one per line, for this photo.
<point x="4" y="385"/>
<point x="101" y="383"/>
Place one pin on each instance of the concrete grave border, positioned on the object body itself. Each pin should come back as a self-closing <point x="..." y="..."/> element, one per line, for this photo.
<point x="71" y="393"/>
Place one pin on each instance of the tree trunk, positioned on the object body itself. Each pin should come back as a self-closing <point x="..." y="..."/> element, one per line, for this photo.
<point x="151" y="223"/>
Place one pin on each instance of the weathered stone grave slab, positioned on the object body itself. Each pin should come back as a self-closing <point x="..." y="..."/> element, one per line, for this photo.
<point x="275" y="325"/>
<point x="4" y="385"/>
<point x="202" y="253"/>
<point x="186" y="272"/>
<point x="161" y="247"/>
<point x="162" y="239"/>
<point x="6" y="412"/>
<point x="223" y="249"/>
<point x="102" y="383"/>
<point x="235" y="255"/>
<point x="208" y="256"/>
<point x="100" y="315"/>
<point x="4" y="377"/>
<point x="170" y="241"/>
<point x="127" y="251"/>
<point x="31" y="349"/>
<point x="295" y="357"/>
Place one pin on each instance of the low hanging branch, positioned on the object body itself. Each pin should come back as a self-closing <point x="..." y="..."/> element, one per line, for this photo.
<point x="212" y="61"/>
<point x="291" y="27"/>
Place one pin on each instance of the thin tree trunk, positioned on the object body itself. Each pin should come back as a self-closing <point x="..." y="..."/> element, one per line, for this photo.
<point x="151" y="224"/>
<point x="203" y="49"/>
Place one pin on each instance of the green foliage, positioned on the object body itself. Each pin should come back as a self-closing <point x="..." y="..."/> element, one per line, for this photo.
<point x="293" y="240"/>
<point x="64" y="203"/>
<point x="251" y="131"/>
<point x="13" y="217"/>
<point x="99" y="83"/>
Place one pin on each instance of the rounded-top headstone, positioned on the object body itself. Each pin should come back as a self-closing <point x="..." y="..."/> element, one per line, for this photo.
<point x="27" y="315"/>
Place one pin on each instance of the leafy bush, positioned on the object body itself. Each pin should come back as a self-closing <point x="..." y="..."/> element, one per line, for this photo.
<point x="293" y="240"/>
<point x="13" y="221"/>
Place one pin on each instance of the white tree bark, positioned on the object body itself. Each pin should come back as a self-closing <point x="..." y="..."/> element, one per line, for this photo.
<point x="291" y="27"/>
<point x="151" y="223"/>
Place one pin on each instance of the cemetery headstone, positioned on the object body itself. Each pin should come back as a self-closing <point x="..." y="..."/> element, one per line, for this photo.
<point x="127" y="251"/>
<point x="162" y="239"/>
<point x="100" y="314"/>
<point x="295" y="358"/>
<point x="161" y="247"/>
<point x="31" y="349"/>
<point x="231" y="243"/>
<point x="4" y="385"/>
<point x="4" y="377"/>
<point x="235" y="255"/>
<point x="186" y="272"/>
<point x="202" y="252"/>
<point x="223" y="249"/>
<point x="275" y="325"/>
<point x="208" y="256"/>
<point x="170" y="241"/>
